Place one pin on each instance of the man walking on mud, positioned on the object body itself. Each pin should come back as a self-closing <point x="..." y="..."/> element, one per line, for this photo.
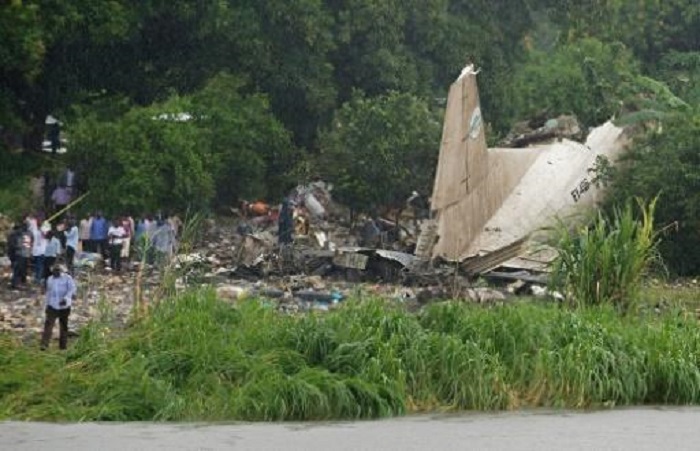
<point x="60" y="291"/>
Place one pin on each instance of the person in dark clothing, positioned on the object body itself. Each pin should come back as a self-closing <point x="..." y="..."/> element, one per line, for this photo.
<point x="12" y="241"/>
<point x="285" y="223"/>
<point x="19" y="250"/>
<point x="24" y="253"/>
<point x="370" y="234"/>
<point x="48" y="190"/>
<point x="419" y="205"/>
<point x="54" y="135"/>
<point x="12" y="247"/>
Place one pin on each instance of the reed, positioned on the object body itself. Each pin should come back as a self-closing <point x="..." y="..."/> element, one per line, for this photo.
<point x="604" y="262"/>
<point x="195" y="357"/>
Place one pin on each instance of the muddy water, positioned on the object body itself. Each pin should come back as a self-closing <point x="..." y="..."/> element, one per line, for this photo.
<point x="633" y="429"/>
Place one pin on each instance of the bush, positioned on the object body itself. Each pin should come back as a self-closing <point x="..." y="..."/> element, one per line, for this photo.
<point x="604" y="262"/>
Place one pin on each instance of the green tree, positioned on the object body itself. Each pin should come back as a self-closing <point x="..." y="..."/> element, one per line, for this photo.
<point x="252" y="155"/>
<point x="649" y="27"/>
<point x="667" y="161"/>
<point x="147" y="160"/>
<point x="211" y="148"/>
<point x="379" y="149"/>
<point x="21" y="55"/>
<point x="586" y="78"/>
<point x="681" y="71"/>
<point x="590" y="79"/>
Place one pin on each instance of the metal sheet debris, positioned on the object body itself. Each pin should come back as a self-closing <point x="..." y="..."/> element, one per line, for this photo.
<point x="351" y="260"/>
<point x="486" y="199"/>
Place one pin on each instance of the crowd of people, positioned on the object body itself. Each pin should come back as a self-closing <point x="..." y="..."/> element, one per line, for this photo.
<point x="35" y="244"/>
<point x="43" y="253"/>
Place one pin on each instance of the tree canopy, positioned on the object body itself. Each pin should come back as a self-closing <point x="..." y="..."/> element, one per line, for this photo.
<point x="380" y="149"/>
<point x="351" y="88"/>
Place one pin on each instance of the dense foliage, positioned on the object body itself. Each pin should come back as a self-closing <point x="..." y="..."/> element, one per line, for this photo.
<point x="197" y="358"/>
<point x="667" y="163"/>
<point x="380" y="149"/>
<point x="272" y="79"/>
<point x="184" y="152"/>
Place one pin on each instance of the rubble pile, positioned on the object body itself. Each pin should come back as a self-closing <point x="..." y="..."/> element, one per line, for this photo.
<point x="240" y="258"/>
<point x="542" y="129"/>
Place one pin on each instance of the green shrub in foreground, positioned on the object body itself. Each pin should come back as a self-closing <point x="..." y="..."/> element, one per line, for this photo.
<point x="196" y="358"/>
<point x="604" y="263"/>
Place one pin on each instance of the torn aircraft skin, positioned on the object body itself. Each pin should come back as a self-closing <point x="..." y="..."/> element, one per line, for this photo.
<point x="487" y="199"/>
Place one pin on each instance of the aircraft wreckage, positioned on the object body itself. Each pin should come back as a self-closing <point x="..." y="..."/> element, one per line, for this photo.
<point x="488" y="203"/>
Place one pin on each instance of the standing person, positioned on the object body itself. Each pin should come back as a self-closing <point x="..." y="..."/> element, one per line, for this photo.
<point x="13" y="244"/>
<point x="69" y="181"/>
<point x="23" y="252"/>
<point x="140" y="238"/>
<point x="60" y="198"/>
<point x="60" y="291"/>
<point x="48" y="189"/>
<point x="163" y="241"/>
<point x="60" y="231"/>
<point x="285" y="223"/>
<point x="99" y="229"/>
<point x="31" y="221"/>
<point x="72" y="239"/>
<point x="51" y="253"/>
<point x="116" y="235"/>
<point x="175" y="224"/>
<point x="151" y="226"/>
<point x="54" y="132"/>
<point x="128" y="225"/>
<point x="84" y="233"/>
<point x="370" y="234"/>
<point x="38" y="249"/>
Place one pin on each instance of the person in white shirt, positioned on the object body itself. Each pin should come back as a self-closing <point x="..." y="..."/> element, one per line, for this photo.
<point x="32" y="222"/>
<point x="84" y="234"/>
<point x="51" y="252"/>
<point x="115" y="238"/>
<point x="71" y="244"/>
<point x="128" y="226"/>
<point x="60" y="291"/>
<point x="38" y="249"/>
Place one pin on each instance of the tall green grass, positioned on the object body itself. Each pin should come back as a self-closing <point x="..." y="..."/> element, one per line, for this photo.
<point x="604" y="262"/>
<point x="197" y="358"/>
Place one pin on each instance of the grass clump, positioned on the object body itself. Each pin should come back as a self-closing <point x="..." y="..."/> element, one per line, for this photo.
<point x="197" y="358"/>
<point x="604" y="262"/>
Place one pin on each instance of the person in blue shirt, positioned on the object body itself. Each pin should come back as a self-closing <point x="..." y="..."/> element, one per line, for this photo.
<point x="60" y="291"/>
<point x="98" y="234"/>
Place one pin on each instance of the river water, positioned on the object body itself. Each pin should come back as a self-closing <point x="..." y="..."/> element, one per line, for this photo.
<point x="626" y="429"/>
